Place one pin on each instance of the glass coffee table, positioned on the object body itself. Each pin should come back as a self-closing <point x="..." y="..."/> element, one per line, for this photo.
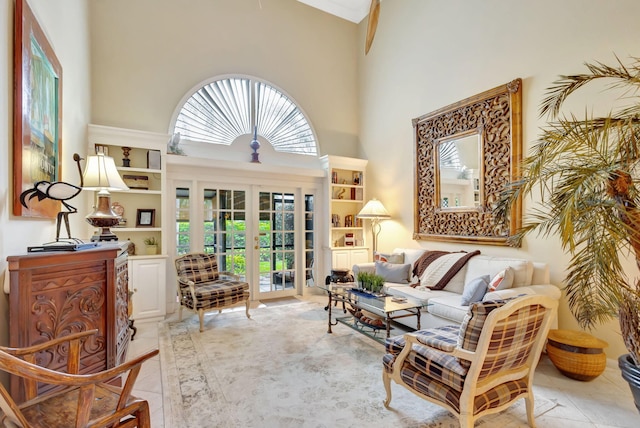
<point x="385" y="308"/>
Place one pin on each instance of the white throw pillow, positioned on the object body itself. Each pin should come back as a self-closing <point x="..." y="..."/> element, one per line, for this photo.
<point x="474" y="290"/>
<point x="502" y="281"/>
<point x="392" y="272"/>
<point x="395" y="258"/>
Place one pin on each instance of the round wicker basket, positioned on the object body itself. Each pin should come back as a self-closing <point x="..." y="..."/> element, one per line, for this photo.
<point x="577" y="354"/>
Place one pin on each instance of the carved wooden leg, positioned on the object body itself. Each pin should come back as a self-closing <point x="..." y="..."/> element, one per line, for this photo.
<point x="387" y="387"/>
<point x="201" y="317"/>
<point x="248" y="316"/>
<point x="530" y="417"/>
<point x="180" y="312"/>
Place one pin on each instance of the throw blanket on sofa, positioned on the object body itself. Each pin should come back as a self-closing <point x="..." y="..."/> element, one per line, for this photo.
<point x="439" y="267"/>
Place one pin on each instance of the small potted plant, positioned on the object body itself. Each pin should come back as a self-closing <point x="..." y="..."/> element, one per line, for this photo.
<point x="363" y="280"/>
<point x="370" y="282"/>
<point x="151" y="245"/>
<point x="376" y="284"/>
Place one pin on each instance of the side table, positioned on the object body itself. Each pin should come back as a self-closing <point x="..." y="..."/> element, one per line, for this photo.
<point x="577" y="354"/>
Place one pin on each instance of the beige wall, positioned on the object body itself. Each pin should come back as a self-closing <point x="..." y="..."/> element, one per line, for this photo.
<point x="427" y="54"/>
<point x="147" y="54"/>
<point x="65" y="24"/>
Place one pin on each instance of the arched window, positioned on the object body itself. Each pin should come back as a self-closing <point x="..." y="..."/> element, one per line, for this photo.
<point x="225" y="109"/>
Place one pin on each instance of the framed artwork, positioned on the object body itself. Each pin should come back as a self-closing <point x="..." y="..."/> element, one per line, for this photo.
<point x="37" y="114"/>
<point x="146" y="218"/>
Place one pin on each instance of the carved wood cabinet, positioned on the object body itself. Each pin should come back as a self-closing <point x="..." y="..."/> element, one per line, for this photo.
<point x="57" y="293"/>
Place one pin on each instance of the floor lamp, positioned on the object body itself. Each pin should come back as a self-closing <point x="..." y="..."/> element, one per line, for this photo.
<point x="375" y="211"/>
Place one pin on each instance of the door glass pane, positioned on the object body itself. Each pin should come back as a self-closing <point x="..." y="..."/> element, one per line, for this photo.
<point x="224" y="228"/>
<point x="183" y="232"/>
<point x="277" y="240"/>
<point x="309" y="239"/>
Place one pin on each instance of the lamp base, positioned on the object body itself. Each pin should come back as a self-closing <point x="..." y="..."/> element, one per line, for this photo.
<point x="105" y="235"/>
<point x="104" y="218"/>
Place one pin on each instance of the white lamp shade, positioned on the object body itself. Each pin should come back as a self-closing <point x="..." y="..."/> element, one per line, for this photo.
<point x="100" y="173"/>
<point x="373" y="209"/>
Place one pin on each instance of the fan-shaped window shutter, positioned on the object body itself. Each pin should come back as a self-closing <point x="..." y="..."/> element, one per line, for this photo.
<point x="223" y="110"/>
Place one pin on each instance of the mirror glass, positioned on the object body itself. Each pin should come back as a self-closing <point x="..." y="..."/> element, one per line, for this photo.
<point x="458" y="172"/>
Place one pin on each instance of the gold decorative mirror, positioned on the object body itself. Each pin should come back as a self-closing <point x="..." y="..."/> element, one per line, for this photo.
<point x="466" y="154"/>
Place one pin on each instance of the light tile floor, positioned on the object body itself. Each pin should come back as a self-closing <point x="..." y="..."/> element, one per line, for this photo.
<point x="605" y="402"/>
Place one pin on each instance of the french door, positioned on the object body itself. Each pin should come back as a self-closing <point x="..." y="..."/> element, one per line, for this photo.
<point x="266" y="236"/>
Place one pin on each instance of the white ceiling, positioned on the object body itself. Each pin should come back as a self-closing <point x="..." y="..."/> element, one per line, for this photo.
<point x="351" y="10"/>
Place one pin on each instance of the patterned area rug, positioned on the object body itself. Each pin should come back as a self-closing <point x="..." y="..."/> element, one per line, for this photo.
<point x="282" y="369"/>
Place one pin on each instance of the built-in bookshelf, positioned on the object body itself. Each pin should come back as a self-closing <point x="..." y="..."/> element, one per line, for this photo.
<point x="346" y="191"/>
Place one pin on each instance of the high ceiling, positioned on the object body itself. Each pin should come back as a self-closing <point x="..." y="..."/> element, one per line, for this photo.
<point x="351" y="10"/>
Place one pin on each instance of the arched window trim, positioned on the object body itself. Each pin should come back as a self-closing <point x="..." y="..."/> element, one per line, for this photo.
<point x="247" y="125"/>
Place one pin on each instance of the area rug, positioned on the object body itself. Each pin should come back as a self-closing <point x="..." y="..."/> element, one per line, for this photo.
<point x="281" y="369"/>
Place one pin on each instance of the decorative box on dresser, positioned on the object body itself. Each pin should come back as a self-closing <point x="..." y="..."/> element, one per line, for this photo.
<point x="346" y="195"/>
<point x="140" y="158"/>
<point x="53" y="294"/>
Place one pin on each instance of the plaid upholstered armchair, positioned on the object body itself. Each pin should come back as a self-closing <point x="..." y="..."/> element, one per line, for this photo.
<point x="479" y="368"/>
<point x="202" y="288"/>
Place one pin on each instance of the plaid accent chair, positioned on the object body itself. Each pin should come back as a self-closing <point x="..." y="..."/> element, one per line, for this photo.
<point x="202" y="288"/>
<point x="483" y="366"/>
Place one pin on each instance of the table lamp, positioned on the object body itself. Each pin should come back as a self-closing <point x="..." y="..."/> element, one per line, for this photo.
<point x="101" y="174"/>
<point x="375" y="211"/>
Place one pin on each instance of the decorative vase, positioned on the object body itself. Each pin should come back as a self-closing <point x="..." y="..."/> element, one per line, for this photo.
<point x="631" y="373"/>
<point x="152" y="249"/>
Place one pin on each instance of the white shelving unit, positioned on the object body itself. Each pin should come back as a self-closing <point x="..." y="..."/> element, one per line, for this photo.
<point x="346" y="185"/>
<point x="147" y="272"/>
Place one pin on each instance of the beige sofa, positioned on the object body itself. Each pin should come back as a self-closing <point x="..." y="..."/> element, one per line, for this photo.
<point x="443" y="307"/>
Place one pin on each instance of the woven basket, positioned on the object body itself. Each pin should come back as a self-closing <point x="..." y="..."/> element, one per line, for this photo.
<point x="576" y="354"/>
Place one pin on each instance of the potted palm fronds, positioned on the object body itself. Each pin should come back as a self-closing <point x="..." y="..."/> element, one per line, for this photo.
<point x="587" y="171"/>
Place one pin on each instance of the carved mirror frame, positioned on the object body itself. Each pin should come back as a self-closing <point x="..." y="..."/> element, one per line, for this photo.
<point x="496" y="115"/>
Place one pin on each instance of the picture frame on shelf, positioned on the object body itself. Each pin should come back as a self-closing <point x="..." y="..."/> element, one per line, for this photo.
<point x="37" y="114"/>
<point x="153" y="159"/>
<point x="357" y="178"/>
<point x="146" y="218"/>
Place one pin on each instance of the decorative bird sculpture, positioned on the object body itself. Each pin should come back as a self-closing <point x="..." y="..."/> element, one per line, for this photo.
<point x="57" y="191"/>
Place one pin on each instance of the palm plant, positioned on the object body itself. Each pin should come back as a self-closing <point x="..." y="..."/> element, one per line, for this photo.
<point x="587" y="173"/>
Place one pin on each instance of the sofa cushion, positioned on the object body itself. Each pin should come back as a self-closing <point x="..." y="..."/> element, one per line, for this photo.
<point x="447" y="305"/>
<point x="423" y="296"/>
<point x="502" y="281"/>
<point x="398" y="273"/>
<point x="488" y="265"/>
<point x="474" y="290"/>
<point x="410" y="254"/>
<point x="456" y="284"/>
<point x="395" y="257"/>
